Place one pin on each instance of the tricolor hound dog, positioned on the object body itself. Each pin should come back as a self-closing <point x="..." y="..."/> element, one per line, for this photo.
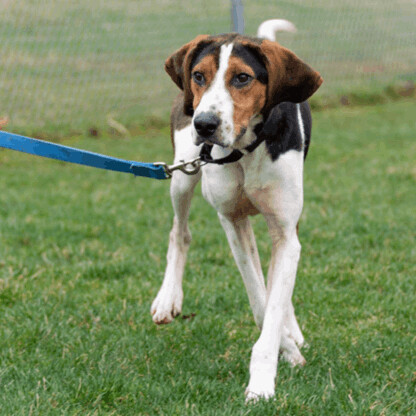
<point x="236" y="91"/>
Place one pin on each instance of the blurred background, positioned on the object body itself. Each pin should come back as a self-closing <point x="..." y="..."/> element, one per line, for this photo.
<point x="76" y="66"/>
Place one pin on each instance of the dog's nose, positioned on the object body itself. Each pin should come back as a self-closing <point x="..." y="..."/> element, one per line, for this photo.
<point x="206" y="124"/>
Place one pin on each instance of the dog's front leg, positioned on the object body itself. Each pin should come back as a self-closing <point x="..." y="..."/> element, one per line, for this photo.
<point x="168" y="302"/>
<point x="281" y="280"/>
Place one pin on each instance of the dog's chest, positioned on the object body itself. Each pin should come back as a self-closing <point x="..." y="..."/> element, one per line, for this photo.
<point x="223" y="187"/>
<point x="255" y="184"/>
<point x="229" y="188"/>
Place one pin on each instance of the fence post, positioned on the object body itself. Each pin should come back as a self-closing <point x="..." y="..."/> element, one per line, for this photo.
<point x="237" y="14"/>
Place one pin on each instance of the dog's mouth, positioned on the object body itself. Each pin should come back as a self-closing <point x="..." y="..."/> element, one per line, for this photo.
<point x="212" y="140"/>
<point x="239" y="142"/>
<point x="215" y="141"/>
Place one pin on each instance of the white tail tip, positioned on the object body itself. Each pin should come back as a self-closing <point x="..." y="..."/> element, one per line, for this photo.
<point x="268" y="29"/>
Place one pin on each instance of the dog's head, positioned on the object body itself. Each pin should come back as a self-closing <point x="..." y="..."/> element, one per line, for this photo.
<point x="231" y="82"/>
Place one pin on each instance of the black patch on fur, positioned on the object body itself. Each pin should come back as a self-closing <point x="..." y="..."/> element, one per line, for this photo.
<point x="213" y="44"/>
<point x="253" y="59"/>
<point x="281" y="130"/>
<point x="204" y="49"/>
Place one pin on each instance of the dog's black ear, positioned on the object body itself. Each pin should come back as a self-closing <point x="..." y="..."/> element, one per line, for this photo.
<point x="178" y="67"/>
<point x="289" y="78"/>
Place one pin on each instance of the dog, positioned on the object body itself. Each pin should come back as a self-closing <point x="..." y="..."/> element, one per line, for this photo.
<point x="246" y="95"/>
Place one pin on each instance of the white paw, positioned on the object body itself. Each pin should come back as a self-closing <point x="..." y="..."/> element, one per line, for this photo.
<point x="167" y="305"/>
<point x="289" y="349"/>
<point x="261" y="384"/>
<point x="262" y="388"/>
<point x="298" y="337"/>
<point x="294" y="358"/>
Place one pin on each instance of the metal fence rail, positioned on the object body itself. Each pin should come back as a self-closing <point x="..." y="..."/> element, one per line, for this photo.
<point x="74" y="65"/>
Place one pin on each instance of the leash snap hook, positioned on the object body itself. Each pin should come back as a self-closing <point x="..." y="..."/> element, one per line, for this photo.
<point x="191" y="167"/>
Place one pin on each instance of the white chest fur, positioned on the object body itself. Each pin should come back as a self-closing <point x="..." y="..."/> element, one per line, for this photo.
<point x="256" y="181"/>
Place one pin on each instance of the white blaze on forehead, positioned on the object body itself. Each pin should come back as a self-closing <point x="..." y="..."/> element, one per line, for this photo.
<point x="217" y="99"/>
<point x="225" y="53"/>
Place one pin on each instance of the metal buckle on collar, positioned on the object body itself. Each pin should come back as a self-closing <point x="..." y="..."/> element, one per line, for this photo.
<point x="191" y="167"/>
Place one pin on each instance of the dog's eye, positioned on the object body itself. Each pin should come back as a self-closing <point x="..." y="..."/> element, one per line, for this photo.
<point x="240" y="80"/>
<point x="199" y="78"/>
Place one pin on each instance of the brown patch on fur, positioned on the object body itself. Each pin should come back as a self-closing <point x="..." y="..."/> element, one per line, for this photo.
<point x="178" y="119"/>
<point x="250" y="41"/>
<point x="243" y="208"/>
<point x="290" y="79"/>
<point x="248" y="100"/>
<point x="178" y="68"/>
<point x="208" y="67"/>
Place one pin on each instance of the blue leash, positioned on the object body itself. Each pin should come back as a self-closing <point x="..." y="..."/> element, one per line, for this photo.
<point x="83" y="157"/>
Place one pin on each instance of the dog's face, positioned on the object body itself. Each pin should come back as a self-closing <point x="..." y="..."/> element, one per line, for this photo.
<point x="231" y="82"/>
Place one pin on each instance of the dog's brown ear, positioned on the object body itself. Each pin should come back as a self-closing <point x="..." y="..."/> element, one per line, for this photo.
<point x="289" y="78"/>
<point x="178" y="68"/>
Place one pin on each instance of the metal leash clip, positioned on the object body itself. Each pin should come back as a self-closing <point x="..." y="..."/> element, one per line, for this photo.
<point x="191" y="167"/>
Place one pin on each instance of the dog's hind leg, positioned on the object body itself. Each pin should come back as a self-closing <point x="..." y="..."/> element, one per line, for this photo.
<point x="292" y="325"/>
<point x="243" y="246"/>
<point x="168" y="302"/>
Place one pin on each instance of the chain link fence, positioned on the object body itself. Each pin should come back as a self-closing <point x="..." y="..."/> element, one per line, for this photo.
<point x="67" y="66"/>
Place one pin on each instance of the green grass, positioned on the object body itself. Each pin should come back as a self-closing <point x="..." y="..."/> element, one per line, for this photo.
<point x="66" y="65"/>
<point x="82" y="255"/>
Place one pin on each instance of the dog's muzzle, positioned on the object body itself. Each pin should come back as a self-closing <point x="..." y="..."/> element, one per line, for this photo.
<point x="206" y="124"/>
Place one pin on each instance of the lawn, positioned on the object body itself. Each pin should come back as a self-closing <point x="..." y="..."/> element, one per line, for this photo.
<point x="82" y="255"/>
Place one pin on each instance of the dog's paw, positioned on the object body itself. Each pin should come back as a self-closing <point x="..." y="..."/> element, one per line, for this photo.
<point x="294" y="358"/>
<point x="166" y="306"/>
<point x="298" y="338"/>
<point x="289" y="350"/>
<point x="259" y="389"/>
<point x="292" y="330"/>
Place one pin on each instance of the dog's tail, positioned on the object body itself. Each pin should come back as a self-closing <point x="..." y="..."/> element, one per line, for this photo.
<point x="268" y="29"/>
